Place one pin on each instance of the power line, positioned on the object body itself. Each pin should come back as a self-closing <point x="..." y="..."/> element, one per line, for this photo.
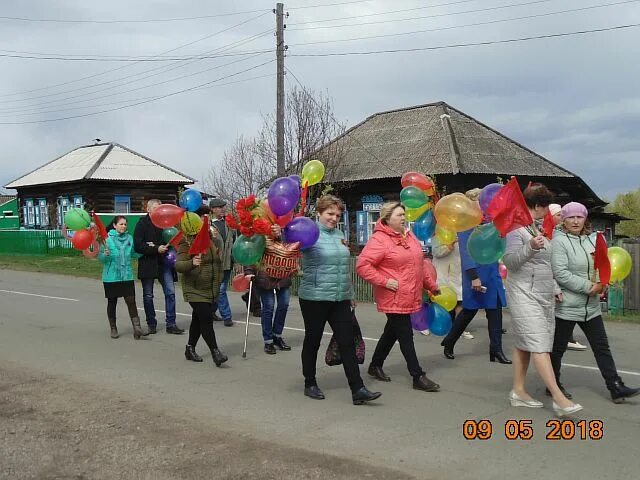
<point x="337" y="4"/>
<point x="459" y="45"/>
<point x="132" y="59"/>
<point x="478" y="10"/>
<point x="489" y="22"/>
<point x="160" y="97"/>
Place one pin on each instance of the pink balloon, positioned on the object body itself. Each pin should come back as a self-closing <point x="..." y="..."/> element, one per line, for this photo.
<point x="503" y="270"/>
<point x="240" y="283"/>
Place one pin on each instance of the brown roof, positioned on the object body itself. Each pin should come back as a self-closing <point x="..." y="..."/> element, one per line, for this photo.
<point x="6" y="198"/>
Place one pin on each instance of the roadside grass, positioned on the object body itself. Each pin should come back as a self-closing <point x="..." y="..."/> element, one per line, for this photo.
<point x="76" y="266"/>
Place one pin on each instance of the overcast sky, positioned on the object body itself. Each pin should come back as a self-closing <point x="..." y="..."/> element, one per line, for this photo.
<point x="573" y="99"/>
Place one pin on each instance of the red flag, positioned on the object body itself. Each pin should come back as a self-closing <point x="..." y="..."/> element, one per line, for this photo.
<point x="176" y="239"/>
<point x="102" y="231"/>
<point x="202" y="241"/>
<point x="548" y="225"/>
<point x="601" y="259"/>
<point x="303" y="202"/>
<point x="508" y="209"/>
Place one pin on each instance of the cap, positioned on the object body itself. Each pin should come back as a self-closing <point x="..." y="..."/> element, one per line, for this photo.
<point x="217" y="202"/>
<point x="554" y="208"/>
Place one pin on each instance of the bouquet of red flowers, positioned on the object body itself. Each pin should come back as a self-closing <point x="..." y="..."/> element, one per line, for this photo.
<point x="246" y="218"/>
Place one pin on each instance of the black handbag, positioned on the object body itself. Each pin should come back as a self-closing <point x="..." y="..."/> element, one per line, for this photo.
<point x="332" y="356"/>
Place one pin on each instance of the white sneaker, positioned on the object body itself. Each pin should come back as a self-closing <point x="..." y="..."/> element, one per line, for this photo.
<point x="425" y="332"/>
<point x="467" y="335"/>
<point x="577" y="346"/>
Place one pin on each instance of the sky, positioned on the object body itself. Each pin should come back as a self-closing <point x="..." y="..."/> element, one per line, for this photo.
<point x="573" y="99"/>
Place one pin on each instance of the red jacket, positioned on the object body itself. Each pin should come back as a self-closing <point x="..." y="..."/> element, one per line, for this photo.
<point x="388" y="254"/>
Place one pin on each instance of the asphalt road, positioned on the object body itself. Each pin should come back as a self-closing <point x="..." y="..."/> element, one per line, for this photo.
<point x="56" y="326"/>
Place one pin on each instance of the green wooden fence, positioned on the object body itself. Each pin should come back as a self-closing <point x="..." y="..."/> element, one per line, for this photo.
<point x="36" y="242"/>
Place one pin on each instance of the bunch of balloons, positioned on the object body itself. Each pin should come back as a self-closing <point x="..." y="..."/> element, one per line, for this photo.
<point x="433" y="317"/>
<point x="457" y="213"/>
<point x="84" y="236"/>
<point x="415" y="196"/>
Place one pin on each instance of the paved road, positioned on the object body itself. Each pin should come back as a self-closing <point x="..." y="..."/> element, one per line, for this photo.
<point x="61" y="329"/>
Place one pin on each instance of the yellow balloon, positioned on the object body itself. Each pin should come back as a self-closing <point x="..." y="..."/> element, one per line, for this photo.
<point x="447" y="298"/>
<point x="190" y="223"/>
<point x="457" y="213"/>
<point x="412" y="214"/>
<point x="312" y="172"/>
<point x="444" y="236"/>
<point x="621" y="263"/>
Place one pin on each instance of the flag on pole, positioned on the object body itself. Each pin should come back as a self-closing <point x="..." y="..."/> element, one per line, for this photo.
<point x="508" y="209"/>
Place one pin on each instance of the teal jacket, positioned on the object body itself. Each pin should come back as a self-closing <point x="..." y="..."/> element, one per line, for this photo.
<point x="572" y="264"/>
<point x="117" y="265"/>
<point x="326" y="268"/>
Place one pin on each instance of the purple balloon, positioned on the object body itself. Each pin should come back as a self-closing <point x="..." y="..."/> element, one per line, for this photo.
<point x="169" y="258"/>
<point x="283" y="196"/>
<point x="419" y="319"/>
<point x="303" y="230"/>
<point x="487" y="194"/>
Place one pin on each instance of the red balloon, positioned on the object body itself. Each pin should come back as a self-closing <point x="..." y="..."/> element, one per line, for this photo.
<point x="166" y="215"/>
<point x="273" y="218"/>
<point x="503" y="270"/>
<point x="429" y="269"/>
<point x="416" y="179"/>
<point x="240" y="283"/>
<point x="82" y="239"/>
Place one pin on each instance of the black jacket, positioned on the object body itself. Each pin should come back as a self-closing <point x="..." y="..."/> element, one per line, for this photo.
<point x="146" y="232"/>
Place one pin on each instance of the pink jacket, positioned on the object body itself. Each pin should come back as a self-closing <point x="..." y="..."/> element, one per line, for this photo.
<point x="388" y="254"/>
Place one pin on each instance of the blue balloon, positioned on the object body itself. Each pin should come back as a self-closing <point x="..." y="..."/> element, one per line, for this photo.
<point x="425" y="226"/>
<point x="191" y="200"/>
<point x="438" y="319"/>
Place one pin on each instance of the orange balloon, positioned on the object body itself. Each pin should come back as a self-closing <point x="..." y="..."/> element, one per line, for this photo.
<point x="457" y="213"/>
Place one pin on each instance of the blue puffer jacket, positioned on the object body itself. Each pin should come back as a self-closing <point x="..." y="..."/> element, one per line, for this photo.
<point x="326" y="268"/>
<point x="117" y="265"/>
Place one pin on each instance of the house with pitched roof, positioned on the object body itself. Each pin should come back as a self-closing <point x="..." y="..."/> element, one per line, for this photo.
<point x="458" y="151"/>
<point x="104" y="177"/>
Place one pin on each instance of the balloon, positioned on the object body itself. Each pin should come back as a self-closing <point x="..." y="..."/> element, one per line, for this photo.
<point x="77" y="219"/>
<point x="412" y="214"/>
<point x="312" y="173"/>
<point x="169" y="258"/>
<point x="190" y="223"/>
<point x="413" y="197"/>
<point x="429" y="269"/>
<point x="248" y="250"/>
<point x="191" y="200"/>
<point x="166" y="215"/>
<point x="240" y="283"/>
<point x="267" y="214"/>
<point x="419" y="319"/>
<point x="168" y="234"/>
<point x="447" y="298"/>
<point x="621" y="263"/>
<point x="82" y="239"/>
<point x="93" y="250"/>
<point x="487" y="194"/>
<point x="457" y="213"/>
<point x="296" y="178"/>
<point x="485" y="245"/>
<point x="438" y="319"/>
<point x="416" y="179"/>
<point x="283" y="196"/>
<point x="444" y="236"/>
<point x="303" y="230"/>
<point x="502" y="269"/>
<point x="425" y="226"/>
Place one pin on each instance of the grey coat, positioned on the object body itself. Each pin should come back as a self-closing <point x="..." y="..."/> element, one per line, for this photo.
<point x="227" y="260"/>
<point x="530" y="292"/>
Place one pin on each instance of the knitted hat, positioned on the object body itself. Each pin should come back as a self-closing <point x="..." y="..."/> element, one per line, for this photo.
<point x="554" y="208"/>
<point x="574" y="209"/>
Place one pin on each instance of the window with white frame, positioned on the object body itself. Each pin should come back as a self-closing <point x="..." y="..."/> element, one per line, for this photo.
<point x="63" y="207"/>
<point x="78" y="201"/>
<point x="29" y="213"/>
<point x="44" y="212"/>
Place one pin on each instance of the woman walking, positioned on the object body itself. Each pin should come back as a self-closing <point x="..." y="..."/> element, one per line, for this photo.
<point x="572" y="261"/>
<point x="201" y="277"/>
<point x="530" y="293"/>
<point x="392" y="261"/>
<point x="117" y="275"/>
<point x="326" y="295"/>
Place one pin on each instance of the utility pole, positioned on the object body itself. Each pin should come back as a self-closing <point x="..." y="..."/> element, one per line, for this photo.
<point x="280" y="50"/>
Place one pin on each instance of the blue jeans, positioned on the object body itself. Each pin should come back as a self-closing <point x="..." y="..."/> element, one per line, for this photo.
<point x="222" y="304"/>
<point x="169" y="290"/>
<point x="272" y="326"/>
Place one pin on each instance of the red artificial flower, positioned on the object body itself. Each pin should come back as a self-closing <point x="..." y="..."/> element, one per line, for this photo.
<point x="262" y="226"/>
<point x="246" y="231"/>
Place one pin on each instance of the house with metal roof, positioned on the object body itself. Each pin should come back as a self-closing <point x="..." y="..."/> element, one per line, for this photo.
<point x="105" y="177"/>
<point x="456" y="150"/>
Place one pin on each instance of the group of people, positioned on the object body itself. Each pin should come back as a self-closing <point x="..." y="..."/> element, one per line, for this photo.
<point x="551" y="287"/>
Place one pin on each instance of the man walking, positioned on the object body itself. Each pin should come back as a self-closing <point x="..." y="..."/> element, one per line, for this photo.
<point x="218" y="207"/>
<point x="147" y="240"/>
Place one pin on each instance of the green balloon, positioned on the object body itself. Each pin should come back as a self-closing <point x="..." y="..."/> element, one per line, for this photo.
<point x="248" y="250"/>
<point x="168" y="234"/>
<point x="413" y="197"/>
<point x="77" y="219"/>
<point x="485" y="245"/>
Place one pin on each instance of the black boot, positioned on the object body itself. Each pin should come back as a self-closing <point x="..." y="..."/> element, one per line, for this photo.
<point x="425" y="384"/>
<point x="269" y="349"/>
<point x="448" y="350"/>
<point x="619" y="391"/>
<point x="314" y="392"/>
<point x="363" y="395"/>
<point x="190" y="354"/>
<point x="500" y="357"/>
<point x="280" y="343"/>
<point x="377" y="372"/>
<point x="218" y="357"/>
<point x="114" y="329"/>
<point x="562" y="389"/>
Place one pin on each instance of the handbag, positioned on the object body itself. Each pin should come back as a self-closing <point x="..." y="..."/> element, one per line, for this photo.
<point x="332" y="356"/>
<point x="280" y="260"/>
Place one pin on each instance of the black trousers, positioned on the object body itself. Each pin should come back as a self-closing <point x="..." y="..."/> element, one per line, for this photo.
<point x="339" y="316"/>
<point x="494" y="325"/>
<point x="202" y="324"/>
<point x="597" y="338"/>
<point x="131" y="306"/>
<point x="398" y="327"/>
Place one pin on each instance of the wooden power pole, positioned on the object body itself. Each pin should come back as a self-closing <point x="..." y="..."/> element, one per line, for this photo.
<point x="280" y="50"/>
